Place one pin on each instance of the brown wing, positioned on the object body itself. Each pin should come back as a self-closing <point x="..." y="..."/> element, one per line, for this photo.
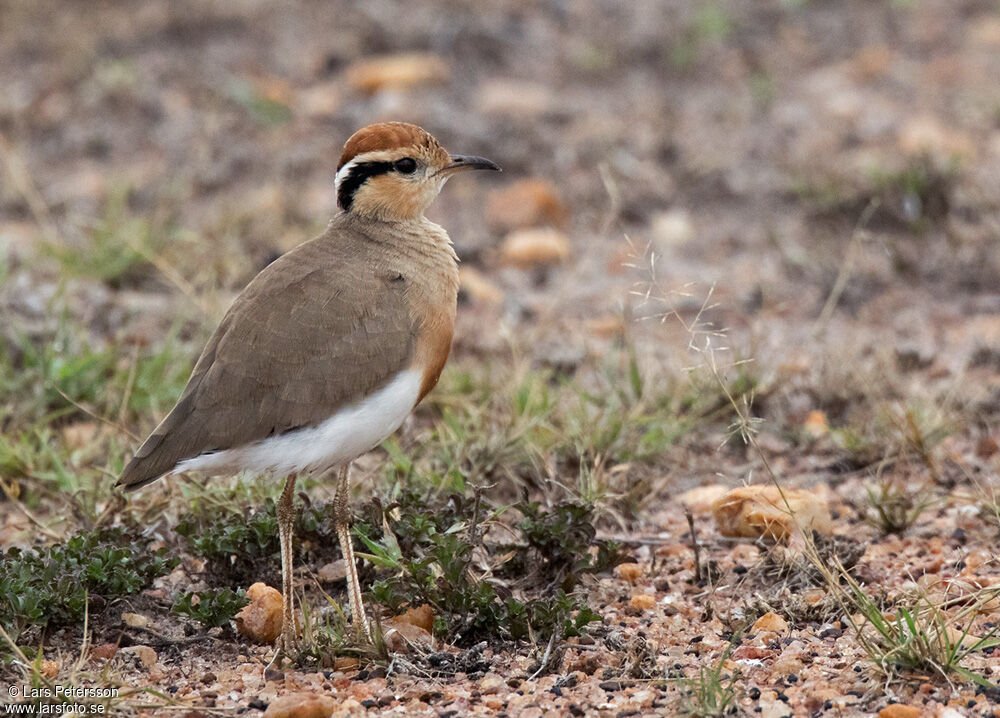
<point x="319" y="328"/>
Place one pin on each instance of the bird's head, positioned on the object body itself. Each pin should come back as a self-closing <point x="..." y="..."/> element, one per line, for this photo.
<point x="394" y="170"/>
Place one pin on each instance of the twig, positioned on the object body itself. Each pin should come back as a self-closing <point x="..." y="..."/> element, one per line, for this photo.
<point x="847" y="268"/>
<point x="546" y="657"/>
<point x="614" y="195"/>
<point x="93" y="415"/>
<point x="162" y="640"/>
<point x="9" y="493"/>
<point x="694" y="545"/>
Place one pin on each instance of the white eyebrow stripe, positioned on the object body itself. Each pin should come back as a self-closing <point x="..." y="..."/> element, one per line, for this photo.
<point x="374" y="156"/>
<point x="342" y="173"/>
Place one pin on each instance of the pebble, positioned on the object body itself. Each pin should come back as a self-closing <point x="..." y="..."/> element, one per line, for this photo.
<point x="145" y="654"/>
<point x="396" y="72"/>
<point x="332" y="572"/>
<point x="136" y="620"/>
<point x="490" y="683"/>
<point x="261" y="619"/>
<point x="759" y="511"/>
<point x="643" y="602"/>
<point x="405" y="637"/>
<point x="105" y="651"/>
<point x="770" y="621"/>
<point x="526" y="203"/>
<point x="302" y="705"/>
<point x="478" y="286"/>
<point x="672" y="228"/>
<point x="630" y="572"/>
<point x="422" y="616"/>
<point x="346" y="663"/>
<point x="526" y="248"/>
<point x="900" y="710"/>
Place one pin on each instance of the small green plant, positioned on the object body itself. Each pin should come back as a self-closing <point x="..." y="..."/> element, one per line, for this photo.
<point x="559" y="543"/>
<point x="712" y="693"/>
<point x="243" y="547"/>
<point x="918" y="636"/>
<point x="212" y="608"/>
<point x="435" y="555"/>
<point x="53" y="585"/>
<point x="893" y="509"/>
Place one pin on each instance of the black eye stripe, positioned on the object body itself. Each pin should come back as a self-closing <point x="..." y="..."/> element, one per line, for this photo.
<point x="359" y="174"/>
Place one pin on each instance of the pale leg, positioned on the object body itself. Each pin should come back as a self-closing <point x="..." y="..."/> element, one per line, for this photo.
<point x="287" y="643"/>
<point x="342" y="520"/>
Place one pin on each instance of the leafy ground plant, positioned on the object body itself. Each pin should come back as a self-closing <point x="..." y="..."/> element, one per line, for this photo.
<point x="212" y="608"/>
<point x="54" y="585"/>
<point x="479" y="590"/>
<point x="242" y="547"/>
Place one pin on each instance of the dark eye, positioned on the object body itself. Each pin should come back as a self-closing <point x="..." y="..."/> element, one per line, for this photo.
<point x="407" y="165"/>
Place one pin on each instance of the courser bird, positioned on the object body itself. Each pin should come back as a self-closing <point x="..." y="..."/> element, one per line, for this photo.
<point x="329" y="348"/>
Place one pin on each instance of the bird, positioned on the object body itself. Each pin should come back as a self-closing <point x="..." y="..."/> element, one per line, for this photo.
<point x="329" y="348"/>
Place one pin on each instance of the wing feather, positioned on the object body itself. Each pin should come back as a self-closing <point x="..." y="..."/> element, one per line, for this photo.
<point x="318" y="329"/>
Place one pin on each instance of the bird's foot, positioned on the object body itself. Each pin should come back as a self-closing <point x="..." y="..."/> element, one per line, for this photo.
<point x="363" y="633"/>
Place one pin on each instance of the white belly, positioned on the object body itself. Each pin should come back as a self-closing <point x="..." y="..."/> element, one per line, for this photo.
<point x="351" y="432"/>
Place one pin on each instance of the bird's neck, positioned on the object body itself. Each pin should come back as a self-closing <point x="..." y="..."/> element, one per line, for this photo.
<point x="419" y="245"/>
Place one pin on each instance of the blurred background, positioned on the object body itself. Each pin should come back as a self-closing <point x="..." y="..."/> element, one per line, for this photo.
<point x="819" y="176"/>
<point x="717" y="219"/>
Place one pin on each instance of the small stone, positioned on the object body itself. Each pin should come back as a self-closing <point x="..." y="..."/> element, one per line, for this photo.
<point x="608" y="326"/>
<point x="146" y="655"/>
<point x="422" y="616"/>
<point x="672" y="228"/>
<point x="925" y="135"/>
<point x="348" y="707"/>
<point x="900" y="710"/>
<point x="396" y="72"/>
<point x="302" y="705"/>
<point x="514" y="98"/>
<point x="346" y="663"/>
<point x="630" y="572"/>
<point x="105" y="651"/>
<point x="332" y="572"/>
<point x="478" y="286"/>
<point x="816" y="424"/>
<point x="321" y="100"/>
<point x="261" y="619"/>
<point x="587" y="664"/>
<point x="526" y="248"/>
<point x="643" y="602"/>
<point x="760" y="511"/>
<point x="81" y="433"/>
<point x="405" y="637"/>
<point x="770" y="621"/>
<point x="526" y="203"/>
<point x="136" y="620"/>
<point x="490" y="683"/>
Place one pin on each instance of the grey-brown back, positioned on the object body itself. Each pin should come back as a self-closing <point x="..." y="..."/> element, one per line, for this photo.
<point x="320" y="328"/>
